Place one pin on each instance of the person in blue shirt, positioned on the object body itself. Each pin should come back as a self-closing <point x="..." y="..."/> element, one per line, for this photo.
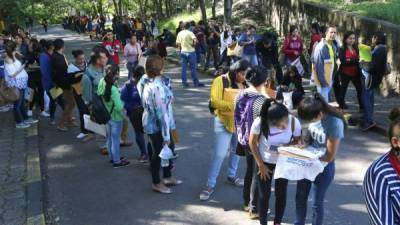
<point x="325" y="130"/>
<point x="248" y="41"/>
<point x="134" y="109"/>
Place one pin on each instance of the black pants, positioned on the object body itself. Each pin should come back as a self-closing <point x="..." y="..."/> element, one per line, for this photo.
<point x="155" y="163"/>
<point x="212" y="49"/>
<point x="225" y="58"/>
<point x="344" y="83"/>
<point x="35" y="83"/>
<point x="250" y="192"/>
<point x="53" y="104"/>
<point x="83" y="109"/>
<point x="264" y="192"/>
<point x="336" y="86"/>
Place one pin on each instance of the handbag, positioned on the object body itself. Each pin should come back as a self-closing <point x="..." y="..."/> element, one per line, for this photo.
<point x="238" y="50"/>
<point x="8" y="94"/>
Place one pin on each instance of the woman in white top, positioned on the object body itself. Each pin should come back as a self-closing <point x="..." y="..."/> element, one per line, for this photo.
<point x="227" y="41"/>
<point x="16" y="77"/>
<point x="274" y="128"/>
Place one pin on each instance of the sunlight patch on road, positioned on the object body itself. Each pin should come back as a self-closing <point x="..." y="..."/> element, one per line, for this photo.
<point x="354" y="207"/>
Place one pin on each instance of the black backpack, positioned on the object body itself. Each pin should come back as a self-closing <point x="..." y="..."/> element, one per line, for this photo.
<point x="100" y="113"/>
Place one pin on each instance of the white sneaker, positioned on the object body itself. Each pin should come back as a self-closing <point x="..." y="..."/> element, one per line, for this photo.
<point x="44" y="114"/>
<point x="81" y="135"/>
<point x="30" y="113"/>
<point x="22" y="125"/>
<point x="31" y="121"/>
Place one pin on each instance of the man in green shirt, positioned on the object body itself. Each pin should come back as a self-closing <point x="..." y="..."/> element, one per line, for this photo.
<point x="186" y="42"/>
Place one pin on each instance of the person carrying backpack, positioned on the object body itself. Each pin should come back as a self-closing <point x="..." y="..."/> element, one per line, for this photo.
<point x="115" y="107"/>
<point x="274" y="127"/>
<point x="224" y="128"/>
<point x="248" y="108"/>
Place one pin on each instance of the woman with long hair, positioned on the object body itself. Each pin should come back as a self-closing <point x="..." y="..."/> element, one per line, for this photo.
<point x="325" y="130"/>
<point x="115" y="107"/>
<point x="274" y="127"/>
<point x="293" y="45"/>
<point x="349" y="69"/>
<point x="226" y="42"/>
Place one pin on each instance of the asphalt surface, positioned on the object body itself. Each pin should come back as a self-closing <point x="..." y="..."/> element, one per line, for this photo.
<point x="81" y="187"/>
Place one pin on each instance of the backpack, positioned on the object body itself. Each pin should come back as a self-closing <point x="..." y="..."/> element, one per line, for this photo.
<point x="100" y="113"/>
<point x="225" y="84"/>
<point x="244" y="118"/>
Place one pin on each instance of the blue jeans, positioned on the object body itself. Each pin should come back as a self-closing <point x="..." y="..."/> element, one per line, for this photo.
<point x="319" y="188"/>
<point x="131" y="67"/>
<point x="251" y="58"/>
<point x="19" y="109"/>
<point x="224" y="141"/>
<point x="325" y="92"/>
<point x="189" y="57"/>
<point x="368" y="99"/>
<point x="113" y="133"/>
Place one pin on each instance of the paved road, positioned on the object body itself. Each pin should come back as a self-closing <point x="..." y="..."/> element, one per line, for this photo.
<point x="82" y="188"/>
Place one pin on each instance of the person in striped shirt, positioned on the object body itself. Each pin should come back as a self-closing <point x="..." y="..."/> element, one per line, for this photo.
<point x="382" y="180"/>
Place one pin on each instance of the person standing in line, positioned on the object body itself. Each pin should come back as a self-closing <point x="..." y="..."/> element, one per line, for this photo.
<point x="113" y="47"/>
<point x="186" y="42"/>
<point x="273" y="128"/>
<point x="115" y="107"/>
<point x="60" y="78"/>
<point x="382" y="180"/>
<point x="226" y="39"/>
<point x="293" y="45"/>
<point x="16" y="77"/>
<point x="224" y="127"/>
<point x="376" y="70"/>
<point x="315" y="37"/>
<point x="213" y="40"/>
<point x="349" y="69"/>
<point x="132" y="51"/>
<point x="324" y="62"/>
<point x="248" y="41"/>
<point x="47" y="79"/>
<point x="325" y="131"/>
<point x="45" y="24"/>
<point x="158" y="120"/>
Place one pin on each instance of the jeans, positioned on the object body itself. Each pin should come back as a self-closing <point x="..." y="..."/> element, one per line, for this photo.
<point x="189" y="57"/>
<point x="155" y="163"/>
<point x="113" y="131"/>
<point x="251" y="58"/>
<point x="212" y="49"/>
<point x="264" y="193"/>
<point x="83" y="109"/>
<point x="19" y="109"/>
<point x="224" y="141"/>
<point x="200" y="50"/>
<point x="131" y="67"/>
<point x="368" y="102"/>
<point x="324" y="92"/>
<point x="250" y="188"/>
<point x="344" y="83"/>
<point x="53" y="104"/>
<point x="319" y="188"/>
<point x="135" y="116"/>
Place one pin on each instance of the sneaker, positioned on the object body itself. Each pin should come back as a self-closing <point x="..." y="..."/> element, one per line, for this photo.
<point x="81" y="135"/>
<point x="62" y="128"/>
<point x="143" y="159"/>
<point x="30" y="113"/>
<point x="206" y="194"/>
<point x="253" y="215"/>
<point x="238" y="182"/>
<point x="368" y="126"/>
<point x="121" y="164"/>
<point x="199" y="85"/>
<point x="121" y="158"/>
<point x="44" y="114"/>
<point x="161" y="188"/>
<point x="22" y="125"/>
<point x="87" y="138"/>
<point x="31" y="121"/>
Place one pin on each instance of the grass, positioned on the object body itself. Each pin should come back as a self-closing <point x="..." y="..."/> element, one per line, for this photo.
<point x="173" y="22"/>
<point x="380" y="9"/>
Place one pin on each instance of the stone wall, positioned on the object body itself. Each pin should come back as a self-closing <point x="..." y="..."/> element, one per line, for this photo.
<point x="283" y="13"/>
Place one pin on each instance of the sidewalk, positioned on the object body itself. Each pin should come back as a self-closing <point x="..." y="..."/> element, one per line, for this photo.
<point x="20" y="181"/>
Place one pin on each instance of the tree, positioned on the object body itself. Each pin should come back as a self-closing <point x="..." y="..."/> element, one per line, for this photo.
<point x="227" y="11"/>
<point x="203" y="10"/>
<point x="214" y="5"/>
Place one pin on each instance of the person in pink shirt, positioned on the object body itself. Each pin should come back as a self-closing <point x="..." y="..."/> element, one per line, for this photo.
<point x="293" y="45"/>
<point x="132" y="51"/>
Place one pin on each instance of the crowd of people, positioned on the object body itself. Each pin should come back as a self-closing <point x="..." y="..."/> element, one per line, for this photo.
<point x="253" y="122"/>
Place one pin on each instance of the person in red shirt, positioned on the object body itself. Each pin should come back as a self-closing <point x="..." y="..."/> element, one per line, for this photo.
<point x="293" y="45"/>
<point x="113" y="47"/>
<point x="315" y="36"/>
<point x="349" y="69"/>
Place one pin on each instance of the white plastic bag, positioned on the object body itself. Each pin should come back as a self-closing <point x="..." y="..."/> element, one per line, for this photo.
<point x="297" y="164"/>
<point x="95" y="127"/>
<point x="287" y="99"/>
<point x="297" y="63"/>
<point x="166" y="154"/>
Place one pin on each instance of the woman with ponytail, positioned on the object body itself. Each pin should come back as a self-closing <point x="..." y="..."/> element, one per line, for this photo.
<point x="325" y="130"/>
<point x="115" y="107"/>
<point x="273" y="128"/>
<point x="382" y="180"/>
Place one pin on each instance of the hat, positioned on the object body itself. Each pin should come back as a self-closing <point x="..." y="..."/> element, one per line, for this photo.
<point x="257" y="75"/>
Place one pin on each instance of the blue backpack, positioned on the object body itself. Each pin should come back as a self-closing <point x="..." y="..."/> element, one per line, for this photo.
<point x="244" y="118"/>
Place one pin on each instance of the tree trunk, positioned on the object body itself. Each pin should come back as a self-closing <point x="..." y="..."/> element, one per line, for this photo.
<point x="116" y="7"/>
<point x="214" y="5"/>
<point x="227" y="11"/>
<point x="120" y="7"/>
<point x="167" y="9"/>
<point x="203" y="11"/>
<point x="100" y="7"/>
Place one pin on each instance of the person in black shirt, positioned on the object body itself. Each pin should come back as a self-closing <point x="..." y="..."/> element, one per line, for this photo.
<point x="267" y="51"/>
<point x="213" y="39"/>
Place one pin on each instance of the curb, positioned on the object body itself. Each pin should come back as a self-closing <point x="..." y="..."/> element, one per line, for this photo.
<point x="34" y="185"/>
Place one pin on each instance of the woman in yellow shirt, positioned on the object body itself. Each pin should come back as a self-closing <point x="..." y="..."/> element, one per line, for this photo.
<point x="224" y="128"/>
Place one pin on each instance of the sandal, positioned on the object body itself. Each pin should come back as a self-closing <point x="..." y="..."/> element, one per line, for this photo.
<point x="206" y="194"/>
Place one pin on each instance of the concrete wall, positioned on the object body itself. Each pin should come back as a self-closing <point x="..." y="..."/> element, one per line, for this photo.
<point x="283" y="13"/>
